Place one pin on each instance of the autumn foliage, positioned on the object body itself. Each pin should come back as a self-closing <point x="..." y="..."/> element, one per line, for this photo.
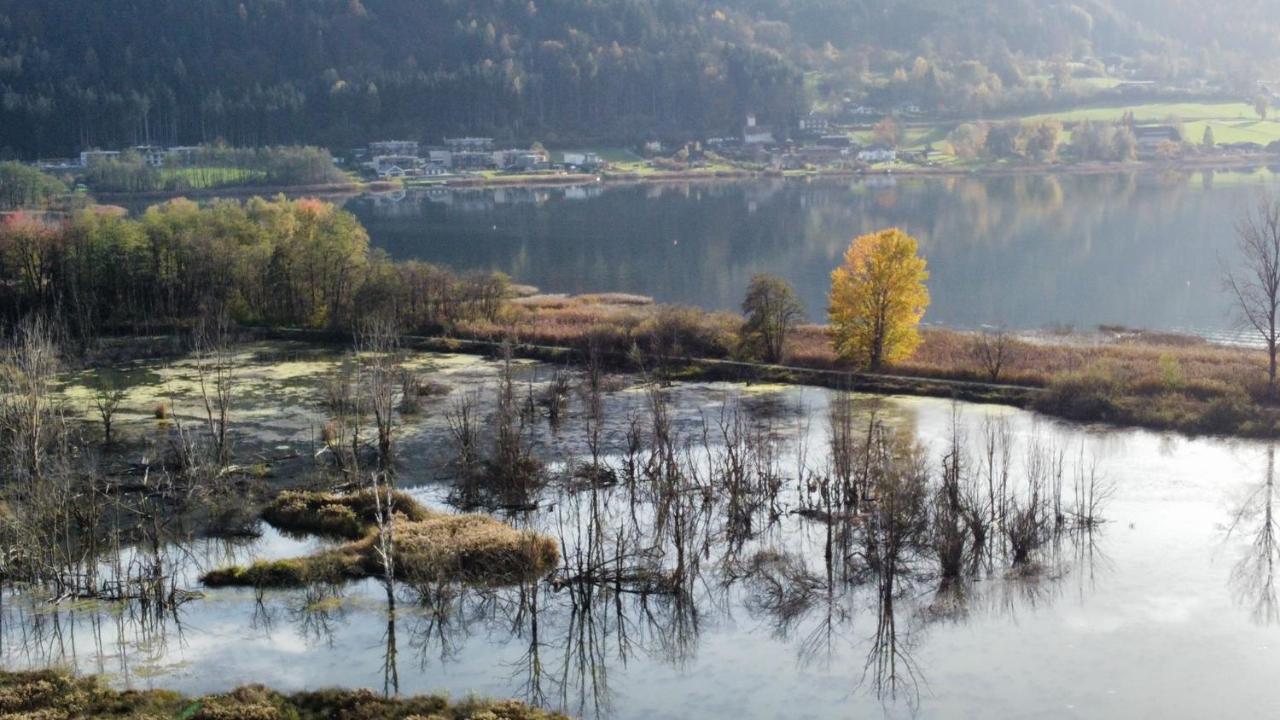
<point x="878" y="297"/>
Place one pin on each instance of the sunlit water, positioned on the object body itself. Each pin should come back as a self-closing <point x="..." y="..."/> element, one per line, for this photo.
<point x="1166" y="611"/>
<point x="1141" y="250"/>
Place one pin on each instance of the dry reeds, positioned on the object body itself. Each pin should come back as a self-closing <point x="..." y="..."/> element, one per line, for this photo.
<point x="56" y="695"/>
<point x="430" y="546"/>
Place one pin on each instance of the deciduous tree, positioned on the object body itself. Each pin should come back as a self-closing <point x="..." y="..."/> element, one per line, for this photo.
<point x="772" y="310"/>
<point x="1256" y="283"/>
<point x="878" y="297"/>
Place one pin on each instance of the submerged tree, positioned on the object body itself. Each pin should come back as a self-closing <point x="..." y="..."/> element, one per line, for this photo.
<point x="1256" y="284"/>
<point x="772" y="310"/>
<point x="878" y="297"/>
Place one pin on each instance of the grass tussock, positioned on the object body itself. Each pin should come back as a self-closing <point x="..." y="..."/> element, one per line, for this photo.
<point x="429" y="546"/>
<point x="55" y="695"/>
<point x="341" y="515"/>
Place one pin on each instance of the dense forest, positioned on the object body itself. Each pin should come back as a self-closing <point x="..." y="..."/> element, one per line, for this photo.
<point x="339" y="72"/>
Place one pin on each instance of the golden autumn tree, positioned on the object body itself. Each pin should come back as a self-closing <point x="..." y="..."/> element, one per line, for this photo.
<point x="878" y="297"/>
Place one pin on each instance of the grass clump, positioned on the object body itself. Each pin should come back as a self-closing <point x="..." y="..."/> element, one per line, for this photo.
<point x="342" y="515"/>
<point x="429" y="546"/>
<point x="56" y="695"/>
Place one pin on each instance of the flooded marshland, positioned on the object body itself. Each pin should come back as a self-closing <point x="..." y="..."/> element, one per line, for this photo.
<point x="726" y="550"/>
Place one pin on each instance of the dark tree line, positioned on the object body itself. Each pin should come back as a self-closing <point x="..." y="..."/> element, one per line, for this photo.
<point x="338" y="72"/>
<point x="77" y="74"/>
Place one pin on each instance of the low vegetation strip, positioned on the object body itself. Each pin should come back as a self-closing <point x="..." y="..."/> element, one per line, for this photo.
<point x="55" y="695"/>
<point x="428" y="546"/>
<point x="1114" y="375"/>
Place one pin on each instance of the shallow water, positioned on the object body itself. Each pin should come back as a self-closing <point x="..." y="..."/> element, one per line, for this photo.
<point x="1167" y="610"/>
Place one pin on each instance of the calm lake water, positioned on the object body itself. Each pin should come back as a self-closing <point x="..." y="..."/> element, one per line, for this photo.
<point x="1140" y="250"/>
<point x="1167" y="610"/>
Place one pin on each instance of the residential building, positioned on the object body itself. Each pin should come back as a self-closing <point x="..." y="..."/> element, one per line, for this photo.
<point x="396" y="165"/>
<point x="151" y="155"/>
<point x="472" y="160"/>
<point x="520" y="159"/>
<point x="469" y="144"/>
<point x="1151" y="137"/>
<point x="394" y="147"/>
<point x="814" y="124"/>
<point x="585" y="160"/>
<point x="876" y="155"/>
<point x="754" y="134"/>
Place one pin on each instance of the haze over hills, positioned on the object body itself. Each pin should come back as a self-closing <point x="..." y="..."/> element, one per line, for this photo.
<point x="334" y="72"/>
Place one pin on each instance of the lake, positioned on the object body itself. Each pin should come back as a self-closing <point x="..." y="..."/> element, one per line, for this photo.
<point x="1033" y="252"/>
<point x="1166" y="609"/>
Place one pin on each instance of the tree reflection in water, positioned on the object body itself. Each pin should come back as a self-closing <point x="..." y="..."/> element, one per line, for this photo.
<point x="1253" y="579"/>
<point x="687" y="518"/>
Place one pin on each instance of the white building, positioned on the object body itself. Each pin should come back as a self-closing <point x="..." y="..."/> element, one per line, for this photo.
<point x="878" y="155"/>
<point x="582" y="159"/>
<point x="469" y="144"/>
<point x="151" y="155"/>
<point x="394" y="147"/>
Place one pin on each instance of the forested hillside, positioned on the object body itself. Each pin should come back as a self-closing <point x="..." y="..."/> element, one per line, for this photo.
<point x="77" y="74"/>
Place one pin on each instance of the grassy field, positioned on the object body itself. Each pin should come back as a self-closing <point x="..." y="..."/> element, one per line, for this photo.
<point x="200" y="178"/>
<point x="1263" y="132"/>
<point x="1155" y="112"/>
<point x="1232" y="122"/>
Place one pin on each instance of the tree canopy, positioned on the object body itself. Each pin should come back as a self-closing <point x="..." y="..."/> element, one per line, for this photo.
<point x="772" y="310"/>
<point x="336" y="73"/>
<point x="878" y="297"/>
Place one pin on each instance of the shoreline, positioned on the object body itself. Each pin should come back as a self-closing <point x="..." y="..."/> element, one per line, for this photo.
<point x="327" y="189"/>
<point x="1215" y="164"/>
<point x="1067" y="399"/>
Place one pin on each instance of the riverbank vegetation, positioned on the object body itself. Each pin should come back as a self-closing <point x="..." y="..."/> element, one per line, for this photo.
<point x="306" y="264"/>
<point x="55" y="695"/>
<point x="1117" y="375"/>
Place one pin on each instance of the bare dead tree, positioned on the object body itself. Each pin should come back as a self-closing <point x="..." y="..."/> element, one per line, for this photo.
<point x="28" y="368"/>
<point x="1256" y="284"/>
<point x="992" y="349"/>
<point x="214" y="369"/>
<point x="378" y="340"/>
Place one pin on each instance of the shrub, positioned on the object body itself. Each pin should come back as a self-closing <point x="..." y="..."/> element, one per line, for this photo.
<point x="1086" y="396"/>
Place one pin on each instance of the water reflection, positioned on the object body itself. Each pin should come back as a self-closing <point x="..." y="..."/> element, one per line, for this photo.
<point x="740" y="532"/>
<point x="1253" y="578"/>
<point x="1027" y="252"/>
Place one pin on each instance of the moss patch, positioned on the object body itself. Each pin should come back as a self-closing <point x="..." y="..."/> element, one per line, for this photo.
<point x="54" y="695"/>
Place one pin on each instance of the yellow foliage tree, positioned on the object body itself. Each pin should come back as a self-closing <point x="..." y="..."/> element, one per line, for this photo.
<point x="878" y="297"/>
